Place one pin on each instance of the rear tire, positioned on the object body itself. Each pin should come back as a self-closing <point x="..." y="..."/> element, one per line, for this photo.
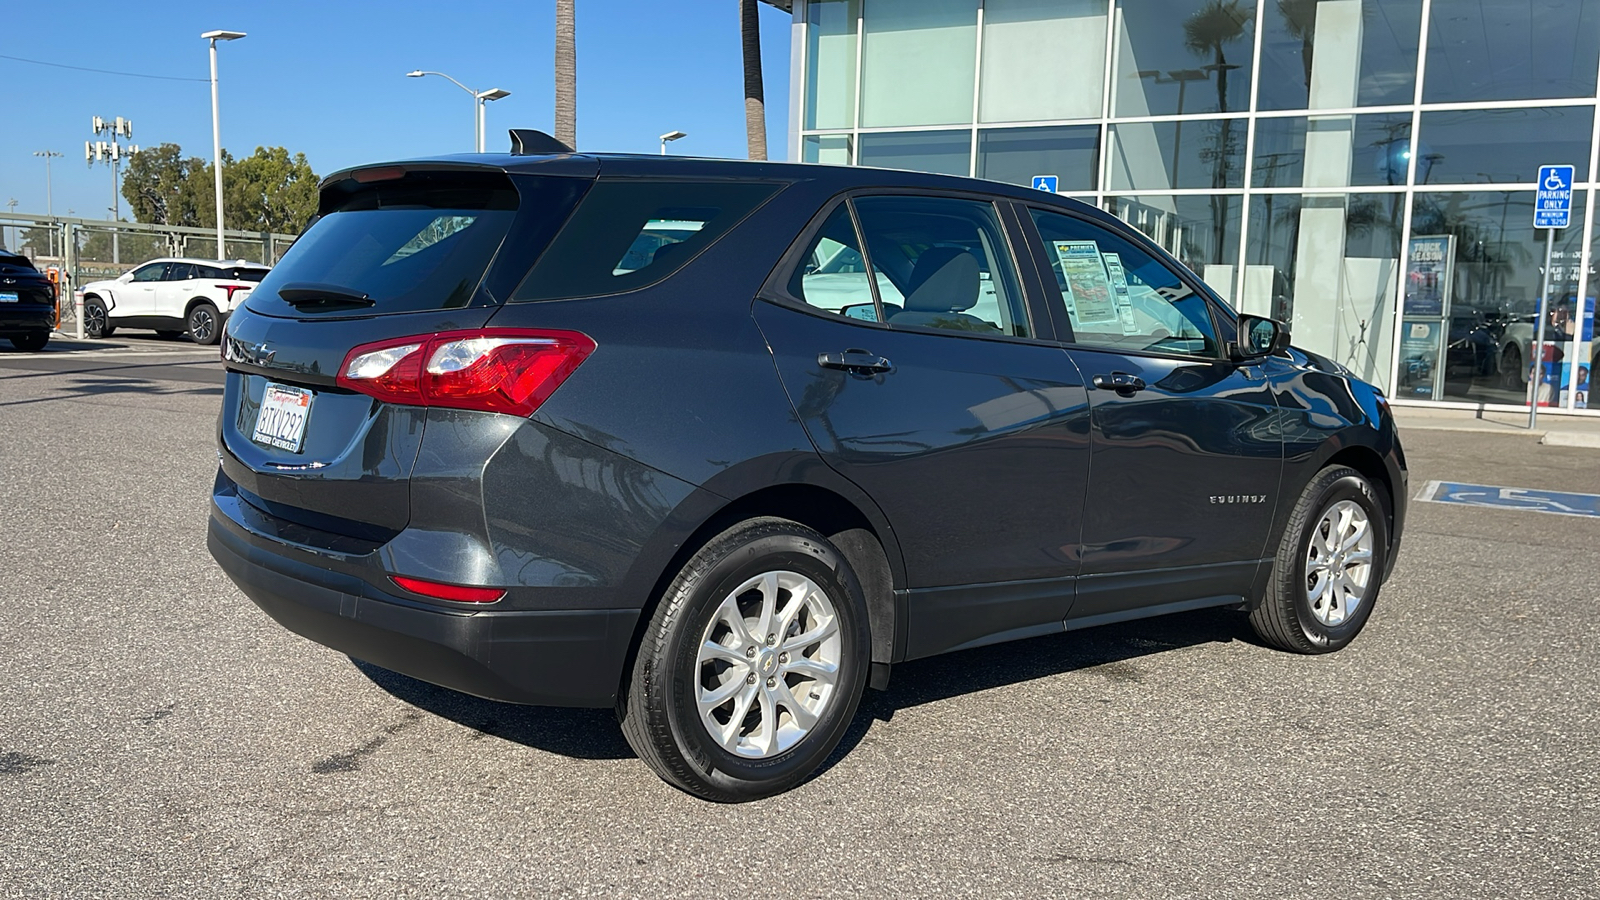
<point x="205" y="325"/>
<point x="30" y="342"/>
<point x="1329" y="566"/>
<point x="96" y="321"/>
<point x="727" y="713"/>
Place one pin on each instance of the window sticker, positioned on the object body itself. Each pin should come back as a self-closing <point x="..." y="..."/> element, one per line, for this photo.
<point x="1119" y="289"/>
<point x="1086" y="277"/>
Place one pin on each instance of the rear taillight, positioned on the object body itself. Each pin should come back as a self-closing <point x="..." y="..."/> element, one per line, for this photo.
<point x="230" y="288"/>
<point x="503" y="370"/>
<point x="458" y="592"/>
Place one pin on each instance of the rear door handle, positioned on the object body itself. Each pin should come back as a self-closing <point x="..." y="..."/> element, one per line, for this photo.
<point x="856" y="362"/>
<point x="1121" y="382"/>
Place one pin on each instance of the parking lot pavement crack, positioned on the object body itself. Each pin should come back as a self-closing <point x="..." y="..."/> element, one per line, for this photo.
<point x="15" y="763"/>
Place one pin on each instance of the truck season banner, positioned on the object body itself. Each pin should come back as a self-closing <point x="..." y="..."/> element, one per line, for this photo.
<point x="1431" y="265"/>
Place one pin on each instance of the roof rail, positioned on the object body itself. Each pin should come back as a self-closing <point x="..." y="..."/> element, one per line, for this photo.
<point x="528" y="142"/>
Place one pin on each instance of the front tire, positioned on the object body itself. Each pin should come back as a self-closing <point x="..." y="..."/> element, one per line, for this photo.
<point x="1329" y="566"/>
<point x="96" y="321"/>
<point x="751" y="668"/>
<point x="30" y="342"/>
<point x="205" y="324"/>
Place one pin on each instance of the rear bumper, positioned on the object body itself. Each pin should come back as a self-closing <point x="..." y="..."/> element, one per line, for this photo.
<point x="14" y="319"/>
<point x="540" y="657"/>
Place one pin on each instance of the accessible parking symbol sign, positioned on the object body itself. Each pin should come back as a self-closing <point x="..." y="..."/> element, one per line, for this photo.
<point x="1553" y="206"/>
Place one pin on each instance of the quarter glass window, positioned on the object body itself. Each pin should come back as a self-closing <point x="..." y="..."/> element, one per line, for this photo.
<point x="1118" y="296"/>
<point x="946" y="264"/>
<point x="832" y="275"/>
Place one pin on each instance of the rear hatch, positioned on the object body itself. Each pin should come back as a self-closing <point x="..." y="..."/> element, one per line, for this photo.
<point x="395" y="252"/>
<point x="22" y="284"/>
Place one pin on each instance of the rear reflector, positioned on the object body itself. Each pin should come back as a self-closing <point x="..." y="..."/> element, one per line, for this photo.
<point x="457" y="592"/>
<point x="502" y="370"/>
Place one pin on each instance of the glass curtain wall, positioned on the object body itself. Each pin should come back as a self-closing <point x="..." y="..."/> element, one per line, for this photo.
<point x="1361" y="169"/>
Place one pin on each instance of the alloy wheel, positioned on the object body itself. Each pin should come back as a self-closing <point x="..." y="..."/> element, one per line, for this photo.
<point x="94" y="320"/>
<point x="201" y="324"/>
<point x="1339" y="562"/>
<point x="768" y="664"/>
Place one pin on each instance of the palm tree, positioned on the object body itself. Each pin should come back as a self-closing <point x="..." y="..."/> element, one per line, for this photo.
<point x="1300" y="21"/>
<point x="566" y="75"/>
<point x="755" y="106"/>
<point x="1207" y="32"/>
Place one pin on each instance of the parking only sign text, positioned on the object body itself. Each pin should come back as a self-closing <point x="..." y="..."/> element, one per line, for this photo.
<point x="1553" y="207"/>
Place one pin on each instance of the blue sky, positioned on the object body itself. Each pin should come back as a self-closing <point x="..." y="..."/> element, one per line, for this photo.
<point x="327" y="79"/>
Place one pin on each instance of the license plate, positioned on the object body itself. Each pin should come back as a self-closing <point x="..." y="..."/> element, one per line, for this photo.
<point x="9" y="297"/>
<point x="281" y="422"/>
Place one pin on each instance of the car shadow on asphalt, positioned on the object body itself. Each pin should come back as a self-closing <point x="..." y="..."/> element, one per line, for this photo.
<point x="83" y="388"/>
<point x="1108" y="653"/>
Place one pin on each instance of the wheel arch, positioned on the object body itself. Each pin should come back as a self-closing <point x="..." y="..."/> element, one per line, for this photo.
<point x="1369" y="464"/>
<point x="196" y="301"/>
<point x="863" y="539"/>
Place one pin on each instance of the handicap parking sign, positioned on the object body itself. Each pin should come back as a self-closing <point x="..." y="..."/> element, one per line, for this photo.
<point x="1552" y="207"/>
<point x="1047" y="183"/>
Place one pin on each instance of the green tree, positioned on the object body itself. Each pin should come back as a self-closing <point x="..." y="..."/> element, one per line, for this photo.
<point x="266" y="191"/>
<point x="163" y="187"/>
<point x="269" y="191"/>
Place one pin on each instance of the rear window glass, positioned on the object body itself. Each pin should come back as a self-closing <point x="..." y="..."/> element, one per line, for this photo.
<point x="251" y="275"/>
<point x="628" y="234"/>
<point x="421" y="242"/>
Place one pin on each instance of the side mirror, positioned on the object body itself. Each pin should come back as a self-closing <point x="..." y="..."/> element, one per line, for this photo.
<point x="1259" y="337"/>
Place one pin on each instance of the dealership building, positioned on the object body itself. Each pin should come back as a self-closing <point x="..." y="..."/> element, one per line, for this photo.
<point x="1365" y="170"/>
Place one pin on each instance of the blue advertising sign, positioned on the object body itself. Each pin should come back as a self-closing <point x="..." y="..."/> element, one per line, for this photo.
<point x="1049" y="182"/>
<point x="1553" y="206"/>
<point x="1560" y="503"/>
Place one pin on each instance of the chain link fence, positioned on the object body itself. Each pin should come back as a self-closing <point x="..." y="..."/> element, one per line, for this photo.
<point x="86" y="250"/>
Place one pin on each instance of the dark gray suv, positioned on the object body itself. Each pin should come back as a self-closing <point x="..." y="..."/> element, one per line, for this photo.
<point x="718" y="443"/>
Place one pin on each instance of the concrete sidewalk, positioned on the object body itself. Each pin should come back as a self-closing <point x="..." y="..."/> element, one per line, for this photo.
<point x="1552" y="429"/>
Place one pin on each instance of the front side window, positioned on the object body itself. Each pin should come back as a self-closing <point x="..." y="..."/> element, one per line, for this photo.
<point x="1118" y="296"/>
<point x="942" y="263"/>
<point x="151" y="272"/>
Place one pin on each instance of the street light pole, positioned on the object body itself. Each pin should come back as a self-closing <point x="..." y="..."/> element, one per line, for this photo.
<point x="49" y="203"/>
<point x="216" y="126"/>
<point x="479" y="98"/>
<point x="671" y="136"/>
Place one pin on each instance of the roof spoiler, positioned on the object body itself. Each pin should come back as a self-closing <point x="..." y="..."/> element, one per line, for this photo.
<point x="528" y="142"/>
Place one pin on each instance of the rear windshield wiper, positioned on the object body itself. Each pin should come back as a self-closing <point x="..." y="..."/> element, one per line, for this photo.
<point x="301" y="294"/>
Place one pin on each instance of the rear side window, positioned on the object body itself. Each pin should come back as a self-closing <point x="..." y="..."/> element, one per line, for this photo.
<point x="628" y="234"/>
<point x="420" y="242"/>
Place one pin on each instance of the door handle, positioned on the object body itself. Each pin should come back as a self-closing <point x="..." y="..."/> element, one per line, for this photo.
<point x="1121" y="382"/>
<point x="856" y="362"/>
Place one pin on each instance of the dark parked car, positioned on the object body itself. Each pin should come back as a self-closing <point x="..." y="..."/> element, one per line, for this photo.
<point x="622" y="431"/>
<point x="27" y="303"/>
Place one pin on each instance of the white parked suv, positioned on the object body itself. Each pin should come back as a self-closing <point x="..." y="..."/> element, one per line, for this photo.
<point x="171" y="296"/>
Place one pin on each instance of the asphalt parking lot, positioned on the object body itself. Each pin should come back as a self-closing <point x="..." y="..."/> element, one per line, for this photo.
<point x="159" y="736"/>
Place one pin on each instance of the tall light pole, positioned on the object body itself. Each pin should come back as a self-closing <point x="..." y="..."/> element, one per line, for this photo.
<point x="49" y="203"/>
<point x="216" y="126"/>
<point x="479" y="98"/>
<point x="671" y="136"/>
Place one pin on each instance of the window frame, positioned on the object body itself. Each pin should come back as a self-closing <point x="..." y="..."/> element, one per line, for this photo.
<point x="776" y="289"/>
<point x="1224" y="323"/>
